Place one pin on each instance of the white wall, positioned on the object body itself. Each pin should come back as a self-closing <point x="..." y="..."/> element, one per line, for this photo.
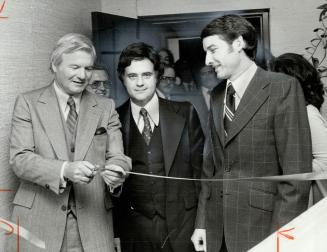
<point x="291" y="21"/>
<point x="26" y="39"/>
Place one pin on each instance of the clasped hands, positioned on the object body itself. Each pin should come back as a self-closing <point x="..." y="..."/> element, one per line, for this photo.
<point x="82" y="172"/>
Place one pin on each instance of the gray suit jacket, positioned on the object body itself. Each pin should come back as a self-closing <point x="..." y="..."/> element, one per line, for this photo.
<point x="269" y="136"/>
<point x="37" y="152"/>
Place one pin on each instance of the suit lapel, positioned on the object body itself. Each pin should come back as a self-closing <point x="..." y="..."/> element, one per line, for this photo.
<point x="88" y="117"/>
<point x="172" y="126"/>
<point x="50" y="116"/>
<point x="254" y="96"/>
<point x="126" y="115"/>
<point x="217" y="110"/>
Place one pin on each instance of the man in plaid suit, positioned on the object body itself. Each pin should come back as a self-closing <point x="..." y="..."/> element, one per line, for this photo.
<point x="258" y="126"/>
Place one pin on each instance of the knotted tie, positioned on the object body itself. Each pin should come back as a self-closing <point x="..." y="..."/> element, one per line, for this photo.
<point x="71" y="119"/>
<point x="147" y="132"/>
<point x="229" y="107"/>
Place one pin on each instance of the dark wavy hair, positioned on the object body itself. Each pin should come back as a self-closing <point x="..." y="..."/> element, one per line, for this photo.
<point x="138" y="51"/>
<point x="297" y="66"/>
<point x="230" y="27"/>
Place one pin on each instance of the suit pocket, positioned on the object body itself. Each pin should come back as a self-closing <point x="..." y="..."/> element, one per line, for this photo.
<point x="25" y="195"/>
<point x="261" y="199"/>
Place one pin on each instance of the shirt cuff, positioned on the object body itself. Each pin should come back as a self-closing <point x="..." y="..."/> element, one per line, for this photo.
<point x="63" y="182"/>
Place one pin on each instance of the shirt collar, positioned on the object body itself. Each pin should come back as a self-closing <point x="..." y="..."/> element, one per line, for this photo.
<point x="63" y="98"/>
<point x="241" y="83"/>
<point x="152" y="108"/>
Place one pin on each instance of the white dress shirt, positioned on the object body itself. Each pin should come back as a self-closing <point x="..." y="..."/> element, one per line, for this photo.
<point x="152" y="107"/>
<point x="241" y="83"/>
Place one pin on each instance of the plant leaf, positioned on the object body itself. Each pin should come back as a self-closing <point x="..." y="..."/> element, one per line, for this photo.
<point x="318" y="29"/>
<point x="322" y="14"/>
<point x="322" y="7"/>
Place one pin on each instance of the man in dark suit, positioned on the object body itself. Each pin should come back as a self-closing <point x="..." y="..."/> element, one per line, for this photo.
<point x="258" y="126"/>
<point x="162" y="138"/>
<point x="60" y="135"/>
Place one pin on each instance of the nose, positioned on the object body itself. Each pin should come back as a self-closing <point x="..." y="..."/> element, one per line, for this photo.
<point x="101" y="86"/>
<point x="139" y="81"/>
<point x="82" y="74"/>
<point x="208" y="59"/>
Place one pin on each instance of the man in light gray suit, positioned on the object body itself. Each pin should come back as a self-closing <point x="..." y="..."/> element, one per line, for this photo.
<point x="61" y="134"/>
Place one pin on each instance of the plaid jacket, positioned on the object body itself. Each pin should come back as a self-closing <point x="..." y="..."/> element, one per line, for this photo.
<point x="269" y="136"/>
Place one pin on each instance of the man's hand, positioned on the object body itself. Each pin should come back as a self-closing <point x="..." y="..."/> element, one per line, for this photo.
<point x="199" y="239"/>
<point x="113" y="175"/>
<point x="80" y="172"/>
<point x="117" y="244"/>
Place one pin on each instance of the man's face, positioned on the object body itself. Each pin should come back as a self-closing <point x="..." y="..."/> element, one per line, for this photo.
<point x="208" y="77"/>
<point x="74" y="72"/>
<point x="167" y="80"/>
<point x="99" y="83"/>
<point x="140" y="81"/>
<point x="223" y="57"/>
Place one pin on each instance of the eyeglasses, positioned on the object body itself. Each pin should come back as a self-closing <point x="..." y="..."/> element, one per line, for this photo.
<point x="97" y="84"/>
<point x="168" y="78"/>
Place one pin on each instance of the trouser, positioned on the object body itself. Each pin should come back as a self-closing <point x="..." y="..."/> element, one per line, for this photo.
<point x="149" y="235"/>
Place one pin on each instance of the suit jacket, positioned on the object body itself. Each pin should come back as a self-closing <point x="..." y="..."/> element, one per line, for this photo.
<point x="182" y="141"/>
<point x="37" y="152"/>
<point x="269" y="136"/>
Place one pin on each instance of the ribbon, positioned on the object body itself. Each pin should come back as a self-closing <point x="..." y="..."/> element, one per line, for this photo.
<point x="18" y="230"/>
<point x="321" y="175"/>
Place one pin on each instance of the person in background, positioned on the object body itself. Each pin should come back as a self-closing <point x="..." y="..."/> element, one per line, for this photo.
<point x="309" y="78"/>
<point x="167" y="83"/>
<point x="258" y="126"/>
<point x="166" y="57"/>
<point x="100" y="82"/>
<point x="163" y="138"/>
<point x="61" y="135"/>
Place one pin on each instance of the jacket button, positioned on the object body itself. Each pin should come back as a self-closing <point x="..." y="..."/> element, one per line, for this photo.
<point x="47" y="186"/>
<point x="63" y="208"/>
<point x="72" y="149"/>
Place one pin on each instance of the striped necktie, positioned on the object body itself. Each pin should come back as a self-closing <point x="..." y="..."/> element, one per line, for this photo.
<point x="72" y="119"/>
<point x="229" y="107"/>
<point x="147" y="132"/>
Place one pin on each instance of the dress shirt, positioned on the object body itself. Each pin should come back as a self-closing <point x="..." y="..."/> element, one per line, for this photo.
<point x="152" y="107"/>
<point x="241" y="83"/>
<point x="62" y="97"/>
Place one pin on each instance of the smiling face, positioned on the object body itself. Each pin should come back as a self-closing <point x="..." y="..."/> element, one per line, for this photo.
<point x="222" y="56"/>
<point x="74" y="72"/>
<point x="140" y="81"/>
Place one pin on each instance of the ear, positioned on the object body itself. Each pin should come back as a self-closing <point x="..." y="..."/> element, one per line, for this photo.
<point x="239" y="44"/>
<point x="54" y="68"/>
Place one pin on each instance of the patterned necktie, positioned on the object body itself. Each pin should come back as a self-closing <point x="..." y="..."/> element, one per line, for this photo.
<point x="71" y="119"/>
<point x="147" y="132"/>
<point x="229" y="107"/>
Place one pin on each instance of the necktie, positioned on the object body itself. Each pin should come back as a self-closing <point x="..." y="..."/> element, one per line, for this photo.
<point x="229" y="107"/>
<point x="147" y="132"/>
<point x="71" y="119"/>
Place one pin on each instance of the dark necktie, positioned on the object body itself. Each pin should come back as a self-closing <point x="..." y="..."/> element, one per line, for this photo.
<point x="229" y="107"/>
<point x="72" y="119"/>
<point x="147" y="132"/>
